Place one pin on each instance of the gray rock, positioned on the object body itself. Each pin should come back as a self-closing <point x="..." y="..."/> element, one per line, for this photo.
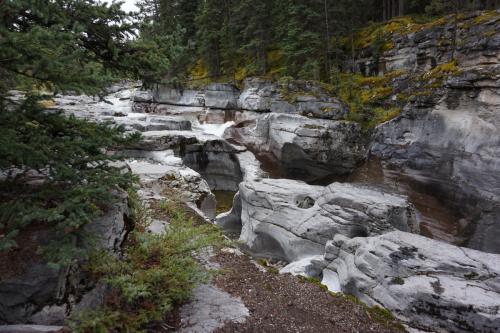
<point x="221" y="96"/>
<point x="167" y="95"/>
<point x="266" y="96"/>
<point x="31" y="329"/>
<point x="40" y="293"/>
<point x="453" y="148"/>
<point x="308" y="149"/>
<point x="216" y="161"/>
<point x="230" y="221"/>
<point x="210" y="309"/>
<point x="143" y="96"/>
<point x="172" y="176"/>
<point x="291" y="220"/>
<point x="428" y="284"/>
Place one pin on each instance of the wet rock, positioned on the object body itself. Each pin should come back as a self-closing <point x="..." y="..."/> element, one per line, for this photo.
<point x="274" y="225"/>
<point x="428" y="284"/>
<point x="453" y="148"/>
<point x="230" y="221"/>
<point x="216" y="161"/>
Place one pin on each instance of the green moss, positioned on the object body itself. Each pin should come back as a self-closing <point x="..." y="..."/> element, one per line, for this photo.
<point x="262" y="262"/>
<point x="384" y="316"/>
<point x="273" y="270"/>
<point x="486" y="16"/>
<point x="316" y="282"/>
<point x="397" y="280"/>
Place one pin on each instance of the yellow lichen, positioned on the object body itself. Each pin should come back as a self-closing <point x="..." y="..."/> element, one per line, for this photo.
<point x="486" y="16"/>
<point x="442" y="70"/>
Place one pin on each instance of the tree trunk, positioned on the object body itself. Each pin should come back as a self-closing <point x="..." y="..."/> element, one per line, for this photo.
<point x="401" y="7"/>
<point x="327" y="25"/>
<point x="384" y="10"/>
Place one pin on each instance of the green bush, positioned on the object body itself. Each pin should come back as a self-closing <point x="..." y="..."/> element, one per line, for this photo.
<point x="156" y="273"/>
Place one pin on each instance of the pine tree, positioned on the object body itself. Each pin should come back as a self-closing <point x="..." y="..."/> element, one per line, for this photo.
<point x="63" y="45"/>
<point x="254" y="23"/>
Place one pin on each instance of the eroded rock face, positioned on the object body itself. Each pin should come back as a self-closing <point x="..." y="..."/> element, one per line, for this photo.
<point x="308" y="149"/>
<point x="216" y="161"/>
<point x="454" y="147"/>
<point x="447" y="138"/>
<point x="302" y="98"/>
<point x="305" y="98"/>
<point x="291" y="220"/>
<point x="40" y="294"/>
<point x="430" y="285"/>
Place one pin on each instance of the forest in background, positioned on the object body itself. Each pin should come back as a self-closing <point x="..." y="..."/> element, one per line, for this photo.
<point x="302" y="39"/>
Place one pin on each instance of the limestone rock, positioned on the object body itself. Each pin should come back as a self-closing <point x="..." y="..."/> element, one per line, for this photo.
<point x="32" y="329"/>
<point x="39" y="294"/>
<point x="221" y="96"/>
<point x="291" y="220"/>
<point x="308" y="149"/>
<point x="428" y="284"/>
<point x="311" y="100"/>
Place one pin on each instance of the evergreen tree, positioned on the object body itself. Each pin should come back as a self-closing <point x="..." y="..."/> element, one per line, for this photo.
<point x="62" y="45"/>
<point x="172" y="24"/>
<point x="210" y="22"/>
<point x="254" y="25"/>
<point x="300" y="37"/>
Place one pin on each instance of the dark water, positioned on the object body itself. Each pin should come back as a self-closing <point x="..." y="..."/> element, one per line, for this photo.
<point x="224" y="201"/>
<point x="437" y="219"/>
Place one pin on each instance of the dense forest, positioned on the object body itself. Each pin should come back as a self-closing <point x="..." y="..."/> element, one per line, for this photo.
<point x="297" y="38"/>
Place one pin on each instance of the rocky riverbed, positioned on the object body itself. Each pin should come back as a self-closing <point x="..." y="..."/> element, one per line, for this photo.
<point x="357" y="237"/>
<point x="405" y="218"/>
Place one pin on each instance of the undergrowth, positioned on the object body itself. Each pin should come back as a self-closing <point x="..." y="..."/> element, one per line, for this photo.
<point x="155" y="273"/>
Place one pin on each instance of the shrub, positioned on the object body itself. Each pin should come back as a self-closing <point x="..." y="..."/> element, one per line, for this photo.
<point x="157" y="272"/>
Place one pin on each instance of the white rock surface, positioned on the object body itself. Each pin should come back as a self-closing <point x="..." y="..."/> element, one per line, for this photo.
<point x="307" y="148"/>
<point x="429" y="284"/>
<point x="291" y="220"/>
<point x="210" y="309"/>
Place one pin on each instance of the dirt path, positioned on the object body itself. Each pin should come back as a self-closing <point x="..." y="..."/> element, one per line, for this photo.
<point x="284" y="303"/>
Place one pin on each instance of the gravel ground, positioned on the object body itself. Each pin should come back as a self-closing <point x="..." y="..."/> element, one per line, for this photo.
<point x="284" y="303"/>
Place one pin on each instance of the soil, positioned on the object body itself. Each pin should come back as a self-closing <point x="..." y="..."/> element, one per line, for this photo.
<point x="285" y="303"/>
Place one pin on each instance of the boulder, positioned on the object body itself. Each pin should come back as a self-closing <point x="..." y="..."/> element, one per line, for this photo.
<point x="290" y="220"/>
<point x="171" y="177"/>
<point x="430" y="285"/>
